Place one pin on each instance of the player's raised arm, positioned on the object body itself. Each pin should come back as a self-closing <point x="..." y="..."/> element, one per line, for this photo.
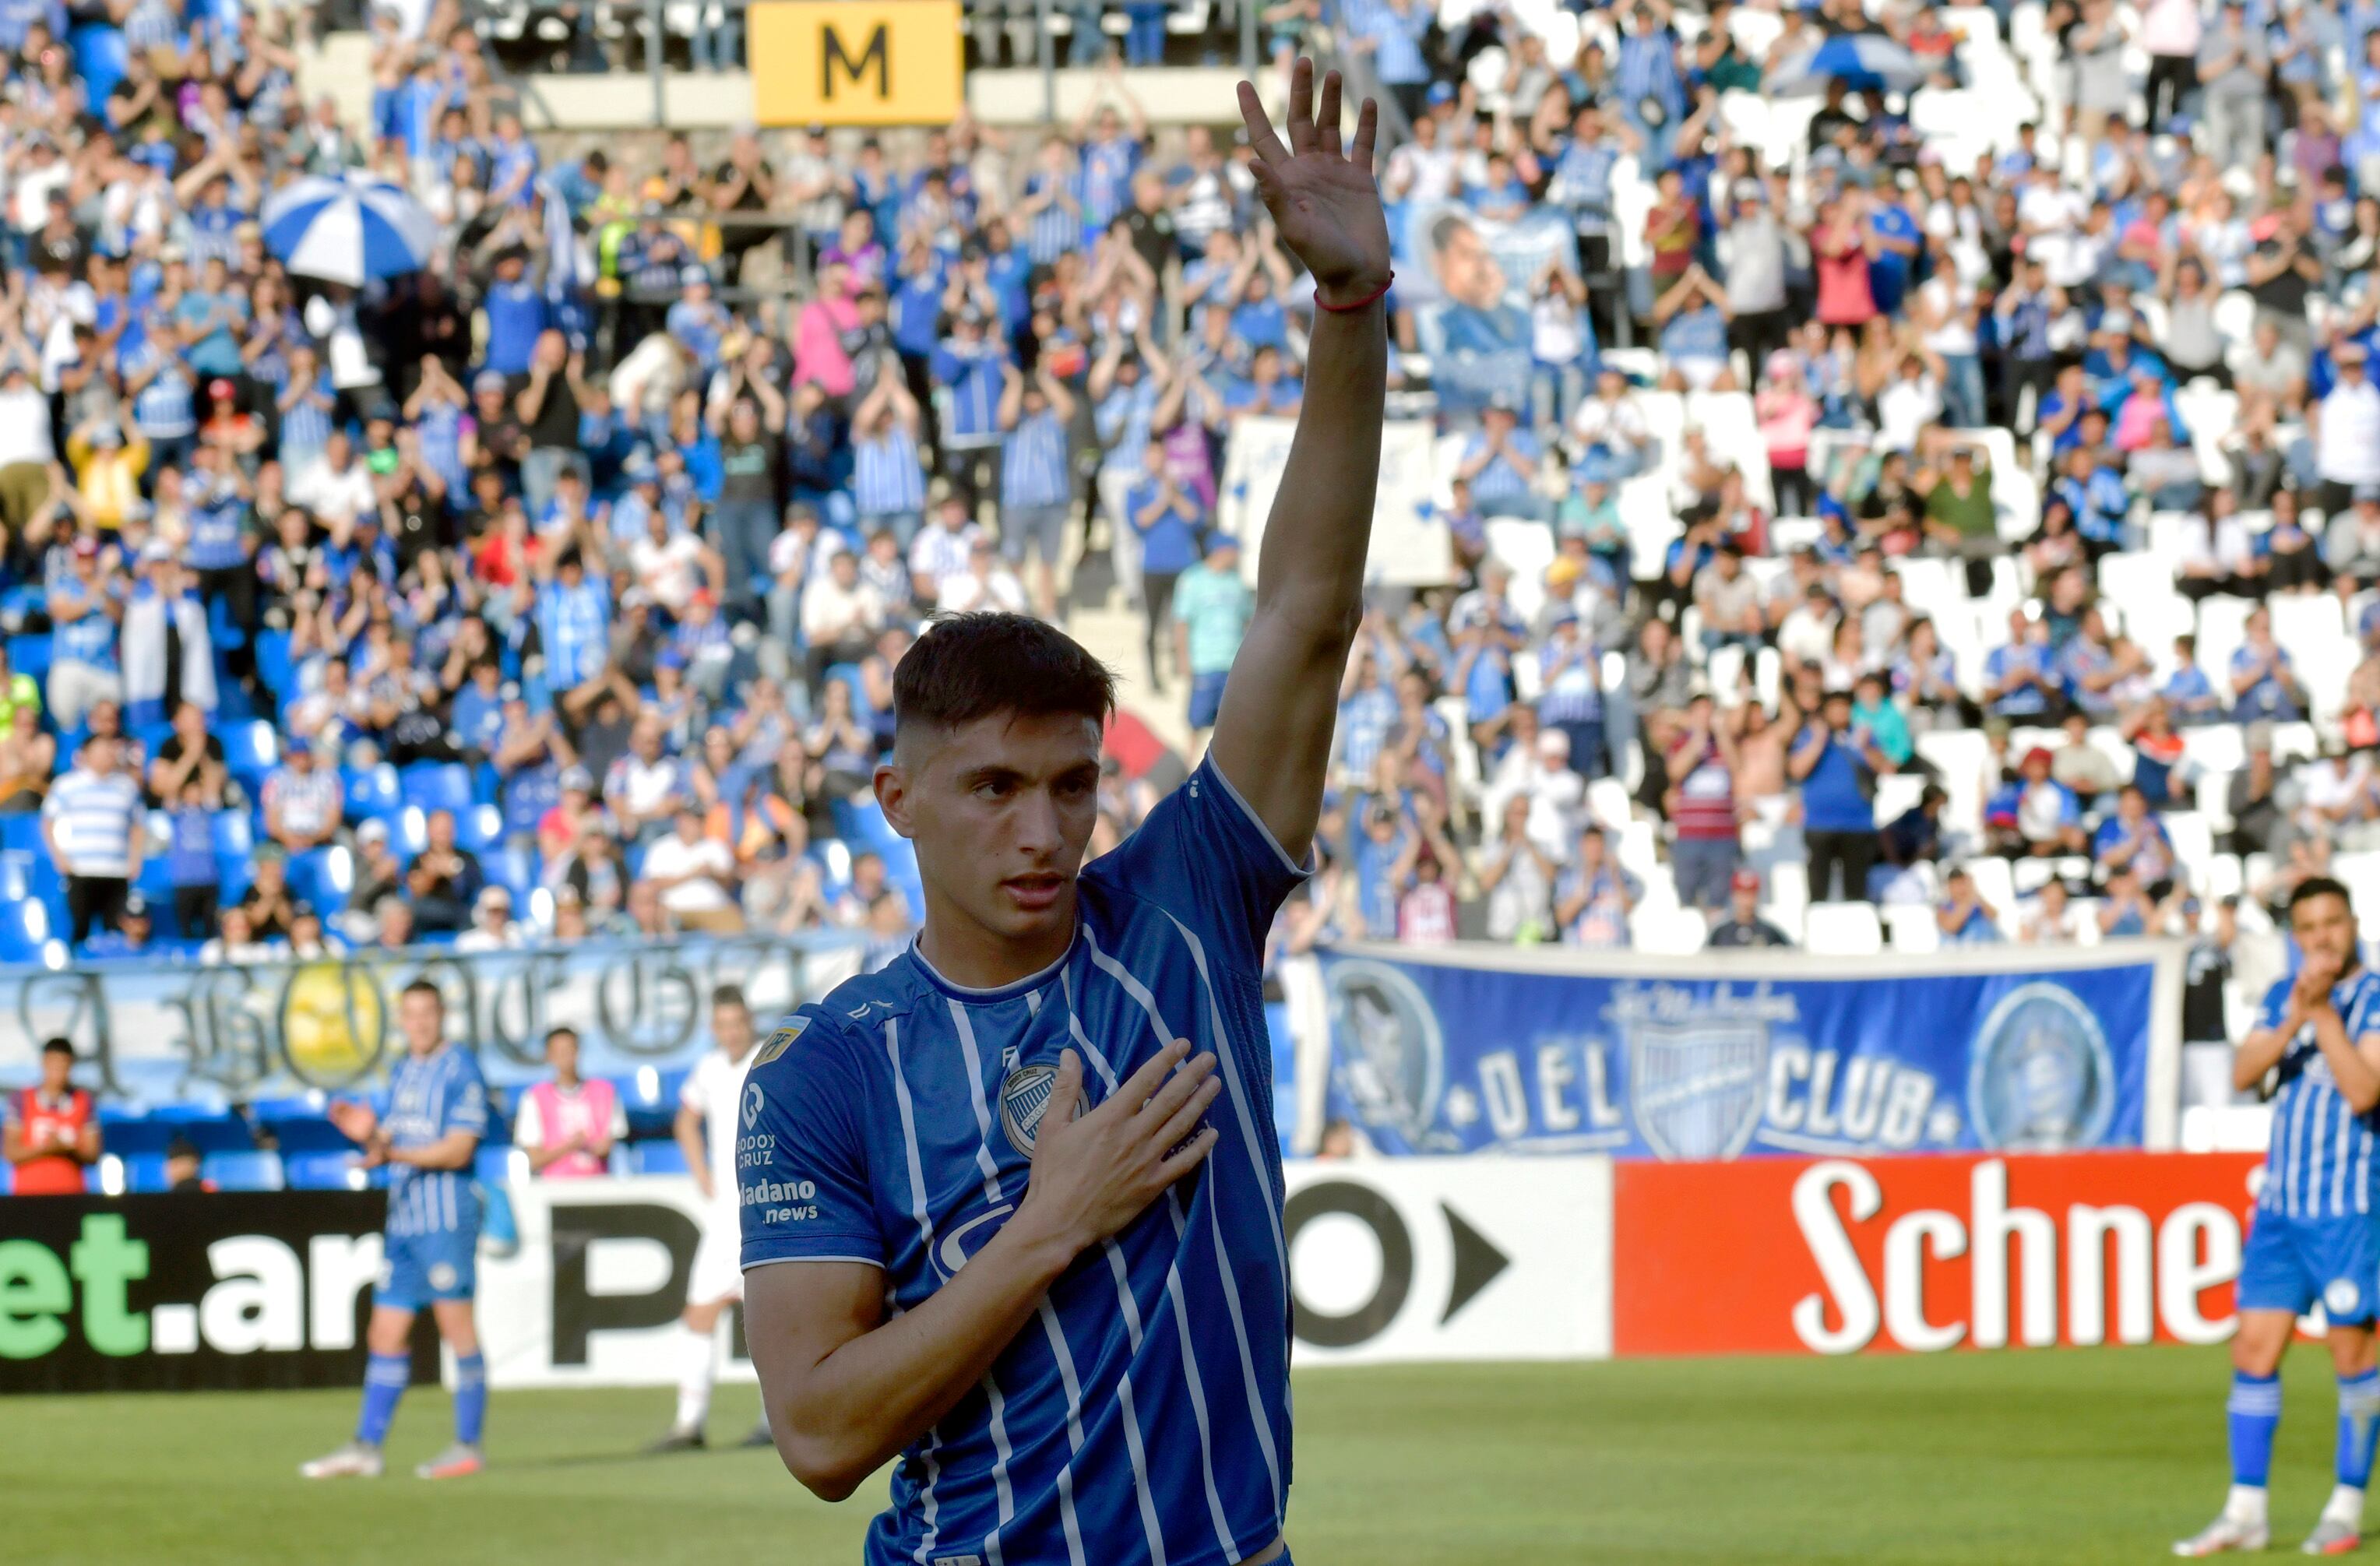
<point x="1272" y="739"/>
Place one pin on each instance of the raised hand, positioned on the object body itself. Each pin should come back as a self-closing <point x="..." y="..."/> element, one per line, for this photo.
<point x="1325" y="204"/>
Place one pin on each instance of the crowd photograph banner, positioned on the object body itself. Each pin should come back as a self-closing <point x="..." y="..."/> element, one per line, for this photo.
<point x="1479" y="1049"/>
<point x="164" y="1032"/>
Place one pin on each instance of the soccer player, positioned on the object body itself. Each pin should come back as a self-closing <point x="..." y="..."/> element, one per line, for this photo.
<point x="437" y="1113"/>
<point x="2313" y="1237"/>
<point x="706" y="1108"/>
<point x="1012" y="1206"/>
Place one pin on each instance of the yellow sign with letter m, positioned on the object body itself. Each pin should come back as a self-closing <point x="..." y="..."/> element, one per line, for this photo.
<point x="855" y="62"/>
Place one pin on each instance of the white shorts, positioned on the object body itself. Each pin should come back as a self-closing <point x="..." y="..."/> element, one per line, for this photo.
<point x="717" y="1271"/>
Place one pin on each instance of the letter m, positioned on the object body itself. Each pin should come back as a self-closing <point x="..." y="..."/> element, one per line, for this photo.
<point x="834" y="55"/>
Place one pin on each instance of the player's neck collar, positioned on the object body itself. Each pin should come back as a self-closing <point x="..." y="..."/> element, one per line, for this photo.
<point x="1008" y="991"/>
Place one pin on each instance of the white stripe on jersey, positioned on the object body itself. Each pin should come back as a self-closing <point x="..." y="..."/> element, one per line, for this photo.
<point x="1164" y="1036"/>
<point x="932" y="1507"/>
<point x="909" y="1136"/>
<point x="1000" y="1466"/>
<point x="1066" y="1358"/>
<point x="2298" y="1206"/>
<point x="991" y="1192"/>
<point x="1226" y="1062"/>
<point x="2339" y="1165"/>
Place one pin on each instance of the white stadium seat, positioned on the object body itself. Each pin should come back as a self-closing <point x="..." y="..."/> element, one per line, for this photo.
<point x="1843" y="929"/>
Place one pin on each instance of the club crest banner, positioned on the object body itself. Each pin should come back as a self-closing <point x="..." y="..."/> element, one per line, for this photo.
<point x="1475" y="1048"/>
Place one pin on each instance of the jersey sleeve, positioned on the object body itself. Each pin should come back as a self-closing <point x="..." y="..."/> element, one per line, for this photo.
<point x="801" y="1160"/>
<point x="2362" y="1011"/>
<point x="1205" y="858"/>
<point x="2276" y="1005"/>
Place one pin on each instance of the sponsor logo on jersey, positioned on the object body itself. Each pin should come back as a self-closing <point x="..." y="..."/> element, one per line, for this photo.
<point x="2042" y="1078"/>
<point x="952" y="1251"/>
<point x="779" y="1041"/>
<point x="1023" y="1096"/>
<point x="753" y="1100"/>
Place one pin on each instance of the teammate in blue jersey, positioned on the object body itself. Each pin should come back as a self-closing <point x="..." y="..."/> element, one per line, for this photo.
<point x="2313" y="1239"/>
<point x="1011" y="1206"/>
<point x="437" y="1113"/>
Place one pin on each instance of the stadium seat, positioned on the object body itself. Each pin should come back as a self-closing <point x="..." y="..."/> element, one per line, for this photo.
<point x="273" y="665"/>
<point x="656" y="1156"/>
<point x="372" y="793"/>
<point x="24" y="931"/>
<point x="322" y="1172"/>
<point x="144" y="1172"/>
<point x="478" y="827"/>
<point x="1843" y="929"/>
<point x="250" y="750"/>
<point x="252" y="1170"/>
<point x="323" y="877"/>
<point x="436" y="785"/>
<point x="208" y="1127"/>
<point x="1668" y="932"/>
<point x="1912" y="927"/>
<point x="305" y="1134"/>
<point x="30" y="656"/>
<point x="648" y="1097"/>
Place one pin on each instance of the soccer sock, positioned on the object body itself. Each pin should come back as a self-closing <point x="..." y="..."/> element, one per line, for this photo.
<point x="2359" y="1407"/>
<point x="471" y="1397"/>
<point x="694" y="1377"/>
<point x="2255" y="1411"/>
<point x="385" y="1378"/>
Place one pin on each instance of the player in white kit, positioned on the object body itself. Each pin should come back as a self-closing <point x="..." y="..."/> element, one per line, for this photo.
<point x="708" y="1107"/>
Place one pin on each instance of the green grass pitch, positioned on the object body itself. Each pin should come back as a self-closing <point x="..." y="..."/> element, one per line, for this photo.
<point x="2081" y="1456"/>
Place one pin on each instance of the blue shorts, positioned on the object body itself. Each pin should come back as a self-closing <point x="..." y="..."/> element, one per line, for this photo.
<point x="417" y="1268"/>
<point x="2293" y="1264"/>
<point x="1207" y="698"/>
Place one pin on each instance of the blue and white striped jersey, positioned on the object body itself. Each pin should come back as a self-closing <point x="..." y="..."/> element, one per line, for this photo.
<point x="2319" y="1164"/>
<point x="429" y="1096"/>
<point x="1146" y="1416"/>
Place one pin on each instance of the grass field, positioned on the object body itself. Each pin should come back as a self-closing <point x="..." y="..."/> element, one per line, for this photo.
<point x="2088" y="1456"/>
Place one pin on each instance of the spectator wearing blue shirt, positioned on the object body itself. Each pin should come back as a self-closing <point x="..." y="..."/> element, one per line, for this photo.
<point x="1693" y="318"/>
<point x="698" y="321"/>
<point x="1962" y="916"/>
<point x="2036" y="815"/>
<point x="1166" y="519"/>
<point x="1500" y="465"/>
<point x="190" y="867"/>
<point x="2264" y="683"/>
<point x="2018" y="679"/>
<point x="970" y="364"/>
<point x="1836" y="766"/>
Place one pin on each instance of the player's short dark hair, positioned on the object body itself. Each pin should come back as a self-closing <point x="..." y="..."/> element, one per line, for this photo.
<point x="730" y="995"/>
<point x="972" y="666"/>
<point x="58" y="1047"/>
<point x="2319" y="886"/>
<point x="564" y="1031"/>
<point x="425" y="987"/>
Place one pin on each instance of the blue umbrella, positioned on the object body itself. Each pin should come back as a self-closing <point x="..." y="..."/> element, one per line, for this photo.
<point x="1861" y="62"/>
<point x="346" y="230"/>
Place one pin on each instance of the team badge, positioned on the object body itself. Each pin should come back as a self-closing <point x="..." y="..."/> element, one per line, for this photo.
<point x="1699" y="1083"/>
<point x="442" y="1276"/>
<point x="753" y="1100"/>
<point x="2042" y="1079"/>
<point x="779" y="1041"/>
<point x="2342" y="1298"/>
<point x="1023" y="1096"/>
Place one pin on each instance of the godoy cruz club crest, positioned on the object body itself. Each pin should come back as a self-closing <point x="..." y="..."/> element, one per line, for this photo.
<point x="1390" y="1055"/>
<point x="2042" y="1079"/>
<point x="1024" y="1097"/>
<point x="1697" y="1086"/>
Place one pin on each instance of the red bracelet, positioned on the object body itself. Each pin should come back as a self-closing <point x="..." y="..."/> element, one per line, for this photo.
<point x="1368" y="299"/>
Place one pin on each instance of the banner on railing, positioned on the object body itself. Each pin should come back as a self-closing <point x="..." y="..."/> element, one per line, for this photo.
<point x="247" y="1030"/>
<point x="1476" y="1047"/>
<point x="1411" y="546"/>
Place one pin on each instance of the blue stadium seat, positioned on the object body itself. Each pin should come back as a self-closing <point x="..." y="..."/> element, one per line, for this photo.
<point x="437" y="785"/>
<point x="7" y="1177"/>
<point x="656" y="1156"/>
<point x="317" y="1171"/>
<point x="209" y="1129"/>
<point x="252" y="1170"/>
<point x="22" y="831"/>
<point x="232" y="703"/>
<point x="312" y="1132"/>
<point x="273" y="665"/>
<point x="24" y="931"/>
<point x="323" y="877"/>
<point x="149" y="730"/>
<point x="292" y="1106"/>
<point x="479" y="827"/>
<point x="514" y="870"/>
<point x="30" y="655"/>
<point x="250" y="748"/>
<point x="233" y="837"/>
<point x="373" y="793"/>
<point x="144" y="1172"/>
<point x="648" y="1097"/>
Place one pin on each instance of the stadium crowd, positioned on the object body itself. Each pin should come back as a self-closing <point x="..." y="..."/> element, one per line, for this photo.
<point x="1967" y="522"/>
